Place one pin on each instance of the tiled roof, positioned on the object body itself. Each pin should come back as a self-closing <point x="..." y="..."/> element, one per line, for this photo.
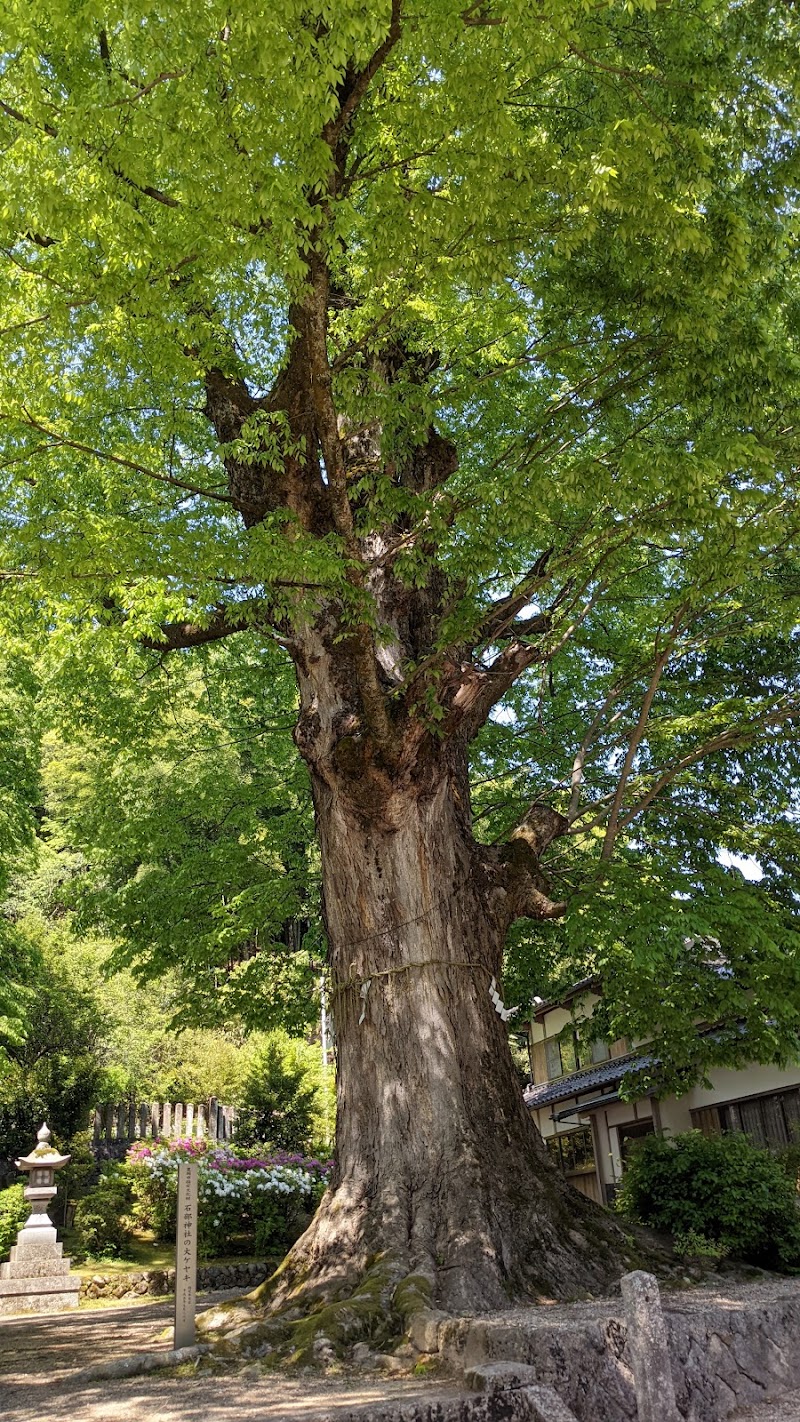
<point x="546" y="1093"/>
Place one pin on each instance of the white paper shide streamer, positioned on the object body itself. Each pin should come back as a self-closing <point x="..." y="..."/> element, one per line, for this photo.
<point x="504" y="1012"/>
<point x="365" y="987"/>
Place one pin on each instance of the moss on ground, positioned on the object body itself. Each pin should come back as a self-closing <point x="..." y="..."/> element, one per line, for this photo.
<point x="366" y="1315"/>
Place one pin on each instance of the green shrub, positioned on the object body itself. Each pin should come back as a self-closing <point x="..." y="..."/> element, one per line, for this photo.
<point x="102" y="1224"/>
<point x="278" y="1098"/>
<point x="692" y="1245"/>
<point x="789" y="1159"/>
<point x="73" y="1180"/>
<point x="722" y="1188"/>
<point x="14" y="1210"/>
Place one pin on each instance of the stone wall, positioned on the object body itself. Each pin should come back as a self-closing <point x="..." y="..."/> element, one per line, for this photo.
<point x="153" y="1283"/>
<point x="729" y="1347"/>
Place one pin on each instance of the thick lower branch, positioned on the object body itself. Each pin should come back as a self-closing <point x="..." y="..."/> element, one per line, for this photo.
<point x="177" y="635"/>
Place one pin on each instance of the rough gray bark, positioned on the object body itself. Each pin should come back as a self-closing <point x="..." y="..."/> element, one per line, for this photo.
<point x="440" y="1170"/>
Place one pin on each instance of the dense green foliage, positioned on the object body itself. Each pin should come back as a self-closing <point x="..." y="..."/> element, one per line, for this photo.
<point x="14" y="1210"/>
<point x="278" y="1099"/>
<point x="93" y="1034"/>
<point x="186" y="821"/>
<point x="55" y="1072"/>
<point x="721" y="1188"/>
<point x="103" y="1222"/>
<point x="566" y="235"/>
<point x="19" y="792"/>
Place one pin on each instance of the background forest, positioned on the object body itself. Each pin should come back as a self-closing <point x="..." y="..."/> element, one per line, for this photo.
<point x="157" y="937"/>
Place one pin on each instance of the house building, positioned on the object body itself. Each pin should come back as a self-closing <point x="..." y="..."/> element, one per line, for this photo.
<point x="576" y="1104"/>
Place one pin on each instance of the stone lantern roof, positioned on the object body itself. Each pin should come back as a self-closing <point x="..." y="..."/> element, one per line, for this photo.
<point x="42" y="1154"/>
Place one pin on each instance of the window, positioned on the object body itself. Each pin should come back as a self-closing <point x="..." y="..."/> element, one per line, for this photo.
<point x="569" y="1054"/>
<point x="573" y="1151"/>
<point x="552" y="1052"/>
<point x="772" y="1121"/>
<point x="630" y="1134"/>
<point x="600" y="1052"/>
<point x="561" y="1054"/>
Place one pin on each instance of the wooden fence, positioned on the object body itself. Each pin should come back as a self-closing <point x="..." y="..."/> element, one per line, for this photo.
<point x="124" y="1121"/>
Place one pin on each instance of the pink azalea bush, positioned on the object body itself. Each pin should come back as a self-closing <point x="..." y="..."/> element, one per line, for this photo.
<point x="254" y="1201"/>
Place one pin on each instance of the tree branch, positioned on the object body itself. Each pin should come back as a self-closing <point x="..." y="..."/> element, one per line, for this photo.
<point x="175" y="636"/>
<point x="63" y="441"/>
<point x="22" y="118"/>
<point x="539" y="826"/>
<point x="148" y="88"/>
<point x="478" y="689"/>
<point x="146" y="190"/>
<point x="636" y="737"/>
<point x="477" y="15"/>
<point x="502" y="614"/>
<point x="726" y="740"/>
<point x="576" y="776"/>
<point x="359" y="86"/>
<point x="524" y="890"/>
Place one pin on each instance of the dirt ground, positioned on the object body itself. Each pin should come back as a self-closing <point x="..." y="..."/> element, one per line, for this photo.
<point x="785" y="1409"/>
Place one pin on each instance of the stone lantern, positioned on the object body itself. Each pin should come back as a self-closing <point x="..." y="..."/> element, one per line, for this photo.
<point x="37" y="1278"/>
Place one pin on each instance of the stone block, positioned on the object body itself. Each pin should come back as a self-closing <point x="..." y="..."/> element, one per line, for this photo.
<point x="500" y="1377"/>
<point x="546" y="1405"/>
<point x="38" y="1303"/>
<point x="34" y="1268"/>
<point x="38" y="1237"/>
<point x="423" y="1329"/>
<point x="36" y="1249"/>
<point x="66" y="1283"/>
<point x="40" y="1296"/>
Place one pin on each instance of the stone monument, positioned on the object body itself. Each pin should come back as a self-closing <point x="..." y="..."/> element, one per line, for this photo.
<point x="648" y="1348"/>
<point x="37" y="1279"/>
<point x="186" y="1255"/>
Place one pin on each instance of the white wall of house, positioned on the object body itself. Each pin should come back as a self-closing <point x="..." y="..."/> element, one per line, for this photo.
<point x="728" y="1084"/>
<point x="559" y="1017"/>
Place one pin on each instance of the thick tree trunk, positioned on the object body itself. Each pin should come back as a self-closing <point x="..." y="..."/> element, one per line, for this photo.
<point x="440" y="1172"/>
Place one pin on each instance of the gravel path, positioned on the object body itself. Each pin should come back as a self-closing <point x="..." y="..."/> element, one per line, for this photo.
<point x="781" y="1409"/>
<point x="39" y="1353"/>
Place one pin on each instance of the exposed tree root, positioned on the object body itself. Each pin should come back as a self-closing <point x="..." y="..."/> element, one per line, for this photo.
<point x="377" y="1312"/>
<point x="320" y="1302"/>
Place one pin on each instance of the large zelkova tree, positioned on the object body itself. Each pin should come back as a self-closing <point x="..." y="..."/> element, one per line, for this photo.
<point x="449" y="348"/>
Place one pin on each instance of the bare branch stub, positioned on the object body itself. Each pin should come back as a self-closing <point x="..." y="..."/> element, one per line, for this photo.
<point x="539" y="826"/>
